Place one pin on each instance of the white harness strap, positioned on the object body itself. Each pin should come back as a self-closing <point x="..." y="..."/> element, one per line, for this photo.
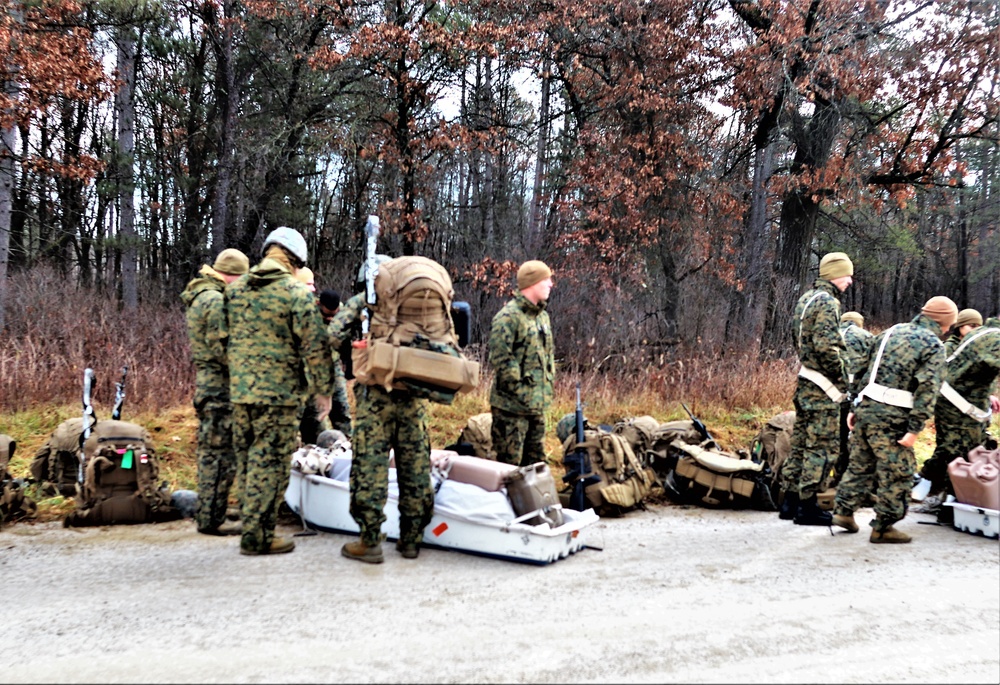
<point x="880" y="393"/>
<point x="824" y="383"/>
<point x="963" y="405"/>
<point x="970" y="337"/>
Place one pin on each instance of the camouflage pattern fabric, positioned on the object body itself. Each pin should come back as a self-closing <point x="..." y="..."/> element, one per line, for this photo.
<point x="521" y="354"/>
<point x="391" y="420"/>
<point x="278" y="350"/>
<point x="340" y="411"/>
<point x="816" y="435"/>
<point x="878" y="464"/>
<point x="517" y="439"/>
<point x="815" y="445"/>
<point x="278" y="354"/>
<point x="856" y="343"/>
<point x="216" y="461"/>
<point x="339" y="328"/>
<point x="914" y="361"/>
<point x="973" y="373"/>
<point x="265" y="436"/>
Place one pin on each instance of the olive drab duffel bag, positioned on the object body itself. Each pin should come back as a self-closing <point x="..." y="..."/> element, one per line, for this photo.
<point x="120" y="482"/>
<point x="624" y="482"/>
<point x="56" y="464"/>
<point x="412" y="344"/>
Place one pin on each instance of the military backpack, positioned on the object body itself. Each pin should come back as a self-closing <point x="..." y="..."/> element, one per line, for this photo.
<point x="56" y="464"/>
<point x="412" y="344"/>
<point x="625" y="483"/>
<point x="120" y="482"/>
<point x="13" y="502"/>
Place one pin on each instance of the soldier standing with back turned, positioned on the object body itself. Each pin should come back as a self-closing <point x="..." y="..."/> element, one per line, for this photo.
<point x="895" y="397"/>
<point x="206" y="324"/>
<point x="277" y="354"/>
<point x="819" y="393"/>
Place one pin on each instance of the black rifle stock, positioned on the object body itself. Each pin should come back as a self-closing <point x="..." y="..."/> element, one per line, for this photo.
<point x="116" y="414"/>
<point x="702" y="430"/>
<point x="577" y="463"/>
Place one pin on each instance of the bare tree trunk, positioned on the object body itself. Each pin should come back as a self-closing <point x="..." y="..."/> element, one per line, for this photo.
<point x="125" y="107"/>
<point x="488" y="201"/>
<point x="541" y="153"/>
<point x="8" y="141"/>
<point x="745" y="324"/>
<point x="225" y="90"/>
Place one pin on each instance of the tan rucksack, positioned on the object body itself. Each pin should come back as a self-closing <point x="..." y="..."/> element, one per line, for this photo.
<point x="56" y="464"/>
<point x="773" y="446"/>
<point x="411" y="343"/>
<point x="477" y="433"/>
<point x="624" y="482"/>
<point x="120" y="483"/>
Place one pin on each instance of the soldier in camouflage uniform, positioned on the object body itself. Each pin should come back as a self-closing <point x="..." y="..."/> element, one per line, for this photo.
<point x="389" y="420"/>
<point x="330" y="308"/>
<point x="277" y="355"/>
<point x="206" y="324"/>
<point x="856" y="343"/>
<point x="968" y="320"/>
<point x="896" y="395"/>
<point x="521" y="352"/>
<point x="819" y="393"/>
<point x="962" y="413"/>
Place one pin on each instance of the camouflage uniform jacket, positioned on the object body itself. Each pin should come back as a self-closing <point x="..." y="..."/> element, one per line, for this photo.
<point x="339" y="328"/>
<point x="816" y="332"/>
<point x="521" y="352"/>
<point x="914" y="361"/>
<point x="206" y="324"/>
<point x="856" y="342"/>
<point x="973" y="371"/>
<point x="277" y="348"/>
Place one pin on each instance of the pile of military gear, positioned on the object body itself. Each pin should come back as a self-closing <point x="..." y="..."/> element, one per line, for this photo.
<point x="14" y="504"/>
<point x="694" y="469"/>
<point x="773" y="446"/>
<point x="475" y="440"/>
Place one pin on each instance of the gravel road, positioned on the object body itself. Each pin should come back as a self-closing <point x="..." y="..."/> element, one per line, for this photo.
<point x="678" y="594"/>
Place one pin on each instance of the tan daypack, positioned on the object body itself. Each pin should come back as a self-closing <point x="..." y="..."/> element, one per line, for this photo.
<point x="120" y="482"/>
<point x="411" y="343"/>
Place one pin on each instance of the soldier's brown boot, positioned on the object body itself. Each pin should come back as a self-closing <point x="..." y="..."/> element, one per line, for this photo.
<point x="889" y="536"/>
<point x="362" y="552"/>
<point x="278" y="546"/>
<point x="227" y="528"/>
<point x="846" y="522"/>
<point x="409" y="550"/>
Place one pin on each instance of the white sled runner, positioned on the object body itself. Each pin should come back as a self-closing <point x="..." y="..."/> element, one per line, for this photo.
<point x="467" y="518"/>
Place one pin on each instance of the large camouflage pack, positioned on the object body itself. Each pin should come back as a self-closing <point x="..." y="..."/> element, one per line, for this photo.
<point x="56" y="464"/>
<point x="412" y="344"/>
<point x="13" y="502"/>
<point x="624" y="481"/>
<point x="773" y="446"/>
<point x="120" y="479"/>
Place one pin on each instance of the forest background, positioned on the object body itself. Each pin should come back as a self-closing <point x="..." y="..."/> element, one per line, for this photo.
<point x="681" y="165"/>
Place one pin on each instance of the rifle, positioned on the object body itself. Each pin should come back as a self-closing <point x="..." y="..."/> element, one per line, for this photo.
<point x="706" y="437"/>
<point x="88" y="415"/>
<point x="119" y="395"/>
<point x="371" y="231"/>
<point x="577" y="463"/>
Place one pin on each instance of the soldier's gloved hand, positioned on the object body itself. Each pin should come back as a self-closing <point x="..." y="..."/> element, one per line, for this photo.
<point x="323" y="404"/>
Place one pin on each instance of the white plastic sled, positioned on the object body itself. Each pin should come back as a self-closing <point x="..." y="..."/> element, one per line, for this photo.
<point x="466" y="517"/>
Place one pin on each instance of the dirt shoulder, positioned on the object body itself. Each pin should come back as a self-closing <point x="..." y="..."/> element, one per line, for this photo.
<point x="678" y="594"/>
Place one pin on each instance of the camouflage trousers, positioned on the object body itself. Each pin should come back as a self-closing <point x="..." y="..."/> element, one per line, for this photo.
<point x="815" y="447"/>
<point x="340" y="410"/>
<point x="264" y="440"/>
<point x="216" y="461"/>
<point x="880" y="464"/>
<point x="957" y="435"/>
<point x="398" y="421"/>
<point x="516" y="439"/>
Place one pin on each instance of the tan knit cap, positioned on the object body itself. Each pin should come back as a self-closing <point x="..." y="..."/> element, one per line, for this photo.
<point x="942" y="309"/>
<point x="834" y="265"/>
<point x="231" y="262"/>
<point x="532" y="272"/>
<point x="854" y="318"/>
<point x="969" y="317"/>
